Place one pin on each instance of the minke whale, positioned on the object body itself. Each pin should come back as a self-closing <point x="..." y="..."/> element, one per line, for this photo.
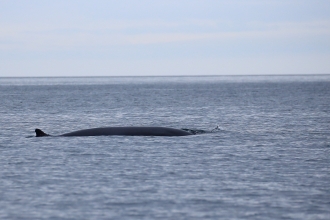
<point x="122" y="131"/>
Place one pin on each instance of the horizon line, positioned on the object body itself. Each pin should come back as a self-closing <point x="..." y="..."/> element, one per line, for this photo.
<point x="234" y="75"/>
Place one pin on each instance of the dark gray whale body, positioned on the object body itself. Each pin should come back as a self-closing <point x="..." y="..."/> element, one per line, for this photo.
<point x="122" y="131"/>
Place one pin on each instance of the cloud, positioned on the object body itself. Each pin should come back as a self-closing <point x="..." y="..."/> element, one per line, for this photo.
<point x="66" y="37"/>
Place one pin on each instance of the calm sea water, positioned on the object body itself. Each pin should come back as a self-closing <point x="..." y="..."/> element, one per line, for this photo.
<point x="269" y="159"/>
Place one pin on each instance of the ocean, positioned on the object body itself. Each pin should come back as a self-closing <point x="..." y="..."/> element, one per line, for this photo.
<point x="263" y="153"/>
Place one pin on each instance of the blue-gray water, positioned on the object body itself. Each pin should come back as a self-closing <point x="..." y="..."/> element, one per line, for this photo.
<point x="269" y="160"/>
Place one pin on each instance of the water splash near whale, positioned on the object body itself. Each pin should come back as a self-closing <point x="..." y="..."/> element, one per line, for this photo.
<point x="200" y="131"/>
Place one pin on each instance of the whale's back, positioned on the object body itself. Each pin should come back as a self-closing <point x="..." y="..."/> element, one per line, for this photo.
<point x="122" y="131"/>
<point x="129" y="131"/>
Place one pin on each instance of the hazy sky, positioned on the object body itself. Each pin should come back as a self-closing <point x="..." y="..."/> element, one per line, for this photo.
<point x="164" y="37"/>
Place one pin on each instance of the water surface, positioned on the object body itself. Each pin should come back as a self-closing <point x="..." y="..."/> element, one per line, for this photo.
<point x="269" y="160"/>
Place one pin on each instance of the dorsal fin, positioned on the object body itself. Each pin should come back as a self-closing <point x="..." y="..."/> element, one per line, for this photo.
<point x="40" y="133"/>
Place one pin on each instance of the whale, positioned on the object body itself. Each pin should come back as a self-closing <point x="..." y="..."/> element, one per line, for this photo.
<point x="121" y="131"/>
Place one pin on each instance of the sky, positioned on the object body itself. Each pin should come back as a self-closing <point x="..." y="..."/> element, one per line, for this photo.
<point x="163" y="37"/>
